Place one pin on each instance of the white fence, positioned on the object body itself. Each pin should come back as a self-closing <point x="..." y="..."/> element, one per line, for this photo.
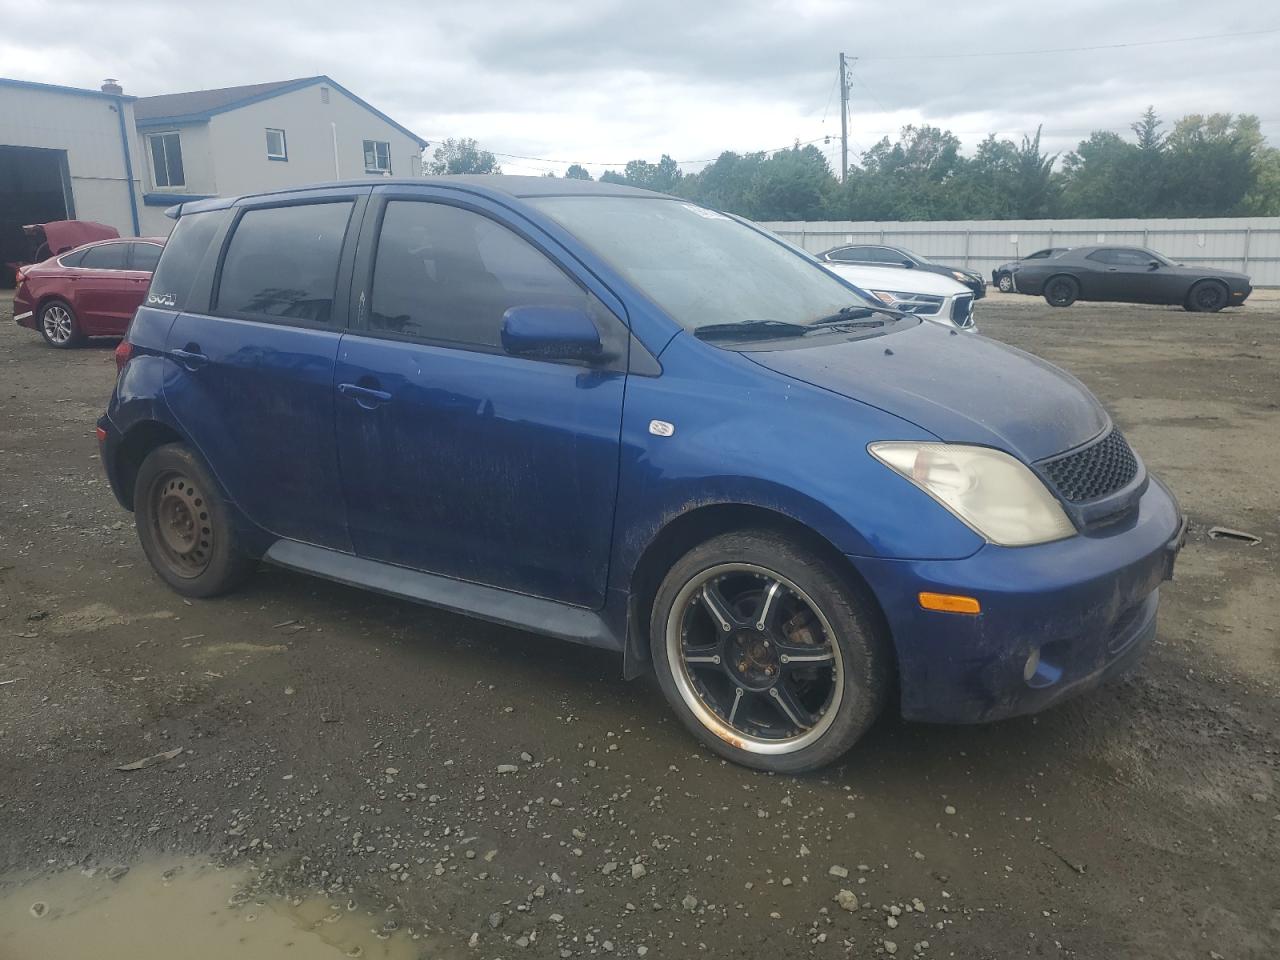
<point x="1248" y="244"/>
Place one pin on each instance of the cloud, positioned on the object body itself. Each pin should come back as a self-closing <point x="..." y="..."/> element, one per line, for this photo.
<point x="611" y="80"/>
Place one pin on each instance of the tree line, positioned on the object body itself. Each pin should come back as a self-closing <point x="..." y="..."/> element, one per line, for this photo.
<point x="1203" y="166"/>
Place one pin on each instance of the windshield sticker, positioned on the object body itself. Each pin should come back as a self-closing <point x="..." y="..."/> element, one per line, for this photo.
<point x="704" y="212"/>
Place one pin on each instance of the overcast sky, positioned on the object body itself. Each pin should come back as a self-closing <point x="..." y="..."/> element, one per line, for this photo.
<point x="605" y="81"/>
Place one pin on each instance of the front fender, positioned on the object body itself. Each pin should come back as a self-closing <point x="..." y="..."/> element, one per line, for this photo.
<point x="747" y="435"/>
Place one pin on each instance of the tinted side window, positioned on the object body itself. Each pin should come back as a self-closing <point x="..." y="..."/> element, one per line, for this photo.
<point x="850" y="255"/>
<point x="1132" y="258"/>
<point x="109" y="256"/>
<point x="144" y="256"/>
<point x="1102" y="256"/>
<point x="448" y="274"/>
<point x="1038" y="255"/>
<point x="72" y="259"/>
<point x="181" y="257"/>
<point x="282" y="262"/>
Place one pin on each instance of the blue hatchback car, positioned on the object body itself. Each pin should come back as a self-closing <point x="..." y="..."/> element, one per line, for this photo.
<point x="629" y="421"/>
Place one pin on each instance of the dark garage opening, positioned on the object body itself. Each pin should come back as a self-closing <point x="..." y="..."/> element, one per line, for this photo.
<point x="35" y="187"/>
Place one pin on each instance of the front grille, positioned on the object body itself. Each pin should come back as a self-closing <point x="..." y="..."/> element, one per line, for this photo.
<point x="1096" y="471"/>
<point x="962" y="311"/>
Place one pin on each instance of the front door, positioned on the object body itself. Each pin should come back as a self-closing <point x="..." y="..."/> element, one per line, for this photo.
<point x="457" y="458"/>
<point x="251" y="380"/>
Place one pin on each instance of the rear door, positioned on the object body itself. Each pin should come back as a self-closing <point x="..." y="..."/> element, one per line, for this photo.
<point x="251" y="379"/>
<point x="458" y="458"/>
<point x="104" y="293"/>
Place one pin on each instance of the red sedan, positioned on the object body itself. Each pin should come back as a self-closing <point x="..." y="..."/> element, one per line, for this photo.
<point x="91" y="291"/>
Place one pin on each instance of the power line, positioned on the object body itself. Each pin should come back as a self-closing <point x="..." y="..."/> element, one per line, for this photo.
<point x="1100" y="46"/>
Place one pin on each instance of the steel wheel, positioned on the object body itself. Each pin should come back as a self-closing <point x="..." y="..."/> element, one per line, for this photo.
<point x="754" y="659"/>
<point x="57" y="324"/>
<point x="180" y="518"/>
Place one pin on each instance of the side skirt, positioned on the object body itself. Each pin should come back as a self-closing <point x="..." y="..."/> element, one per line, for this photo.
<point x="535" y="614"/>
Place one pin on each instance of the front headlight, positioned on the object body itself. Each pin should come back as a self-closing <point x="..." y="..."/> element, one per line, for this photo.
<point x="996" y="495"/>
<point x="891" y="297"/>
<point x="962" y="277"/>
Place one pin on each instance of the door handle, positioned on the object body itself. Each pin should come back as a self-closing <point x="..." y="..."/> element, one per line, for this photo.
<point x="367" y="397"/>
<point x="191" y="359"/>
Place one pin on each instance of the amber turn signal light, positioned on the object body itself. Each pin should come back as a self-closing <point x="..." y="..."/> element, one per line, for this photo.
<point x="950" y="603"/>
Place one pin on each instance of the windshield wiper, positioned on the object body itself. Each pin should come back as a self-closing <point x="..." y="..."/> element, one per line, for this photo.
<point x="750" y="330"/>
<point x="857" y="316"/>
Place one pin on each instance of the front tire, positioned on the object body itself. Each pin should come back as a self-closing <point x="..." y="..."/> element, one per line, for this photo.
<point x="766" y="654"/>
<point x="1207" y="296"/>
<point x="59" y="325"/>
<point x="1006" y="283"/>
<point x="185" y="524"/>
<point x="1061" y="291"/>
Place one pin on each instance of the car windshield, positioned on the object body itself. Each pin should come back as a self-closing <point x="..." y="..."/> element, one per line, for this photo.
<point x="703" y="268"/>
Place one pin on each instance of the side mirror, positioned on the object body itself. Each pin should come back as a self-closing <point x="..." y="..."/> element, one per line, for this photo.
<point x="1154" y="264"/>
<point x="551" y="333"/>
<point x="909" y="264"/>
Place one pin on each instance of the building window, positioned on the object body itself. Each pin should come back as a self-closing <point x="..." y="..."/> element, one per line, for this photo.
<point x="276" y="148"/>
<point x="324" y="94"/>
<point x="377" y="156"/>
<point x="166" y="160"/>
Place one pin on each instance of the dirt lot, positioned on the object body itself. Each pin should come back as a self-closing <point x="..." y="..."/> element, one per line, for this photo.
<point x="347" y="742"/>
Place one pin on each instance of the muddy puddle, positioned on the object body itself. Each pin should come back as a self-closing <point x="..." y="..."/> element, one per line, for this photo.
<point x="186" y="908"/>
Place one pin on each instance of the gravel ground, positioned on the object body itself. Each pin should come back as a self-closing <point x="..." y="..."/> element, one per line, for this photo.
<point x="507" y="795"/>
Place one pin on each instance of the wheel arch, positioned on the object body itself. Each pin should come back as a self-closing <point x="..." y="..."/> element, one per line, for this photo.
<point x="1062" y="275"/>
<point x="1208" y="278"/>
<point x="683" y="532"/>
<point x="137" y="442"/>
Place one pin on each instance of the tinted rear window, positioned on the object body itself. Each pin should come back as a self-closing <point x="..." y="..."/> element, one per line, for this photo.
<point x="183" y="253"/>
<point x="145" y="256"/>
<point x="109" y="256"/>
<point x="282" y="263"/>
<point x="72" y="259"/>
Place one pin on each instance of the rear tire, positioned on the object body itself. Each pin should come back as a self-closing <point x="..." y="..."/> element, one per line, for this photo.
<point x="1207" y="296"/>
<point x="788" y="697"/>
<point x="59" y="325"/>
<point x="185" y="524"/>
<point x="1061" y="291"/>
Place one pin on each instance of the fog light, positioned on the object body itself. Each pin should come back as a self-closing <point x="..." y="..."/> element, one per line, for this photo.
<point x="1032" y="665"/>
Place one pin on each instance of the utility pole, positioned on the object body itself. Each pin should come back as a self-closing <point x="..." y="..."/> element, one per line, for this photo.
<point x="844" y="120"/>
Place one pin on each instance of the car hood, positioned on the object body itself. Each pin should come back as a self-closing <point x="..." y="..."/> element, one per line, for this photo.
<point x="962" y="389"/>
<point x="898" y="279"/>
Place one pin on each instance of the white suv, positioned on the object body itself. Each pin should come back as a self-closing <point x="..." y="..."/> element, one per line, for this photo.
<point x="927" y="295"/>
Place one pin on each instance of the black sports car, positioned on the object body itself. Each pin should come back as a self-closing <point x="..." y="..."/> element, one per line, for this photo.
<point x="878" y="255"/>
<point x="1002" y="276"/>
<point x="1129" y="275"/>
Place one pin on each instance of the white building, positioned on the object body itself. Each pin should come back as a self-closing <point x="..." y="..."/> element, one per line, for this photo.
<point x="261" y="137"/>
<point x="66" y="154"/>
<point x="72" y="154"/>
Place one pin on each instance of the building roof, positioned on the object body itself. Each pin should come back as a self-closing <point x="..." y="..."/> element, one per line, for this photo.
<point x="55" y="88"/>
<point x="198" y="105"/>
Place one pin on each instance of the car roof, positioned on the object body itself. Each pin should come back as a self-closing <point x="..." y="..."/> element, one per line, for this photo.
<point x="492" y="185"/>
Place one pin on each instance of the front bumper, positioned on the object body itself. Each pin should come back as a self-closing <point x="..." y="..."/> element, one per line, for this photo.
<point x="1087" y="605"/>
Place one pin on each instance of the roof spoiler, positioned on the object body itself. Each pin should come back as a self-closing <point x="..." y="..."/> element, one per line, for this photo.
<point x="174" y="212"/>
